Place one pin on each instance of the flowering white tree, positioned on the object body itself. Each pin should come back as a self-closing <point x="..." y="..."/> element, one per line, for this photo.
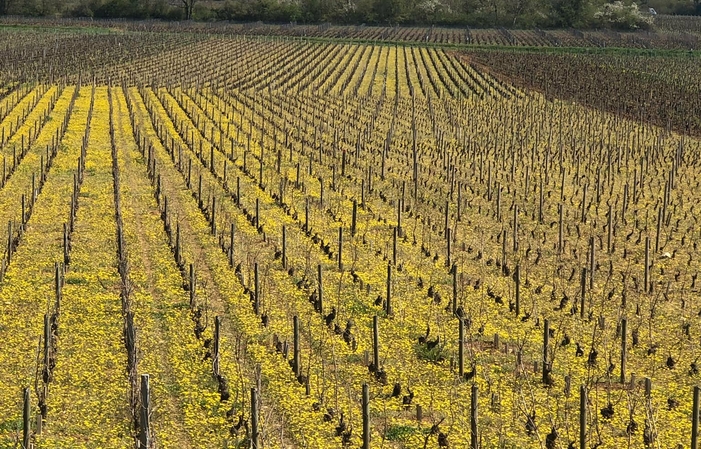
<point x="429" y="9"/>
<point x="618" y="15"/>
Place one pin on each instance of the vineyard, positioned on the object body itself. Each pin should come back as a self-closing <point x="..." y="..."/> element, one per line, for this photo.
<point x="233" y="241"/>
<point x="669" y="33"/>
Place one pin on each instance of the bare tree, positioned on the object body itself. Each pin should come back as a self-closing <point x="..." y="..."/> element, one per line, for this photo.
<point x="4" y="7"/>
<point x="188" y="5"/>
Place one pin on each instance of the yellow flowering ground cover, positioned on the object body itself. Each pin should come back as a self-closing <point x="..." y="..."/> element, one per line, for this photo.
<point x="516" y="404"/>
<point x="21" y="180"/>
<point x="278" y="285"/>
<point x="17" y="116"/>
<point x="566" y="196"/>
<point x="188" y="413"/>
<point x="28" y="286"/>
<point x="398" y="350"/>
<point x="32" y="122"/>
<point x="88" y="396"/>
<point x="280" y="387"/>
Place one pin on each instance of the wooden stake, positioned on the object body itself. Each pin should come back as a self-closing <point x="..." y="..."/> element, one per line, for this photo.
<point x="254" y="419"/>
<point x="517" y="279"/>
<point x="366" y="416"/>
<point x="647" y="264"/>
<point x="474" y="441"/>
<point x="546" y="341"/>
<point x="515" y="228"/>
<point x="193" y="286"/>
<point x="217" y="334"/>
<point x="648" y="391"/>
<point x="695" y="419"/>
<point x="582" y="417"/>
<point x="560" y="239"/>
<point x="296" y="360"/>
<point x="321" y="289"/>
<point x="659" y="230"/>
<point x="145" y="413"/>
<point x="26" y="426"/>
<point x="354" y="220"/>
<point x="340" y="248"/>
<point x="503" y="252"/>
<point x="238" y="191"/>
<point x="47" y="345"/>
<point x="214" y="216"/>
<point x="231" y="246"/>
<point x="58" y="287"/>
<point x="256" y="286"/>
<point x="584" y="203"/>
<point x="448" y="262"/>
<point x="257" y="213"/>
<point x="9" y="242"/>
<point x="284" y="246"/>
<point x="388" y="304"/>
<point x="592" y="262"/>
<point x="461" y="348"/>
<point x="375" y="343"/>
<point x="609" y="230"/>
<point x="624" y="342"/>
<point x="454" y="269"/>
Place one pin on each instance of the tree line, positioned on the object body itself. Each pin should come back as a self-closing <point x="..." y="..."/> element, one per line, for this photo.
<point x="477" y="13"/>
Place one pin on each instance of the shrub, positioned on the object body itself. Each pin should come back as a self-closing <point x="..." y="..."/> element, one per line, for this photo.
<point x="619" y="16"/>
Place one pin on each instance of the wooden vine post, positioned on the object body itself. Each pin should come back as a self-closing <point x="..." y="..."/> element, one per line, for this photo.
<point x="58" y="286"/>
<point x="255" y="431"/>
<point x="560" y="230"/>
<point x="448" y="259"/>
<point x="503" y="252"/>
<point x="399" y="218"/>
<point x="231" y="246"/>
<point x="354" y="220"/>
<point x="321" y="289"/>
<point x="624" y="343"/>
<point x="647" y="265"/>
<point x="609" y="230"/>
<point x="695" y="419"/>
<point x="214" y="216"/>
<point x="340" y="248"/>
<point x="546" y="341"/>
<point x="296" y="361"/>
<point x="47" y="348"/>
<point x="388" y="305"/>
<point x="517" y="280"/>
<point x="26" y="423"/>
<point x="215" y="356"/>
<point x="257" y="213"/>
<point x="145" y="414"/>
<point x="366" y="416"/>
<point x="515" y="228"/>
<point x="582" y="417"/>
<point x="256" y="287"/>
<point x="474" y="440"/>
<point x="178" y="250"/>
<point x="454" y="270"/>
<point x="583" y="292"/>
<point x="375" y="343"/>
<point x="461" y="347"/>
<point x="284" y="246"/>
<point x="238" y="191"/>
<point x="193" y="286"/>
<point x="592" y="262"/>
